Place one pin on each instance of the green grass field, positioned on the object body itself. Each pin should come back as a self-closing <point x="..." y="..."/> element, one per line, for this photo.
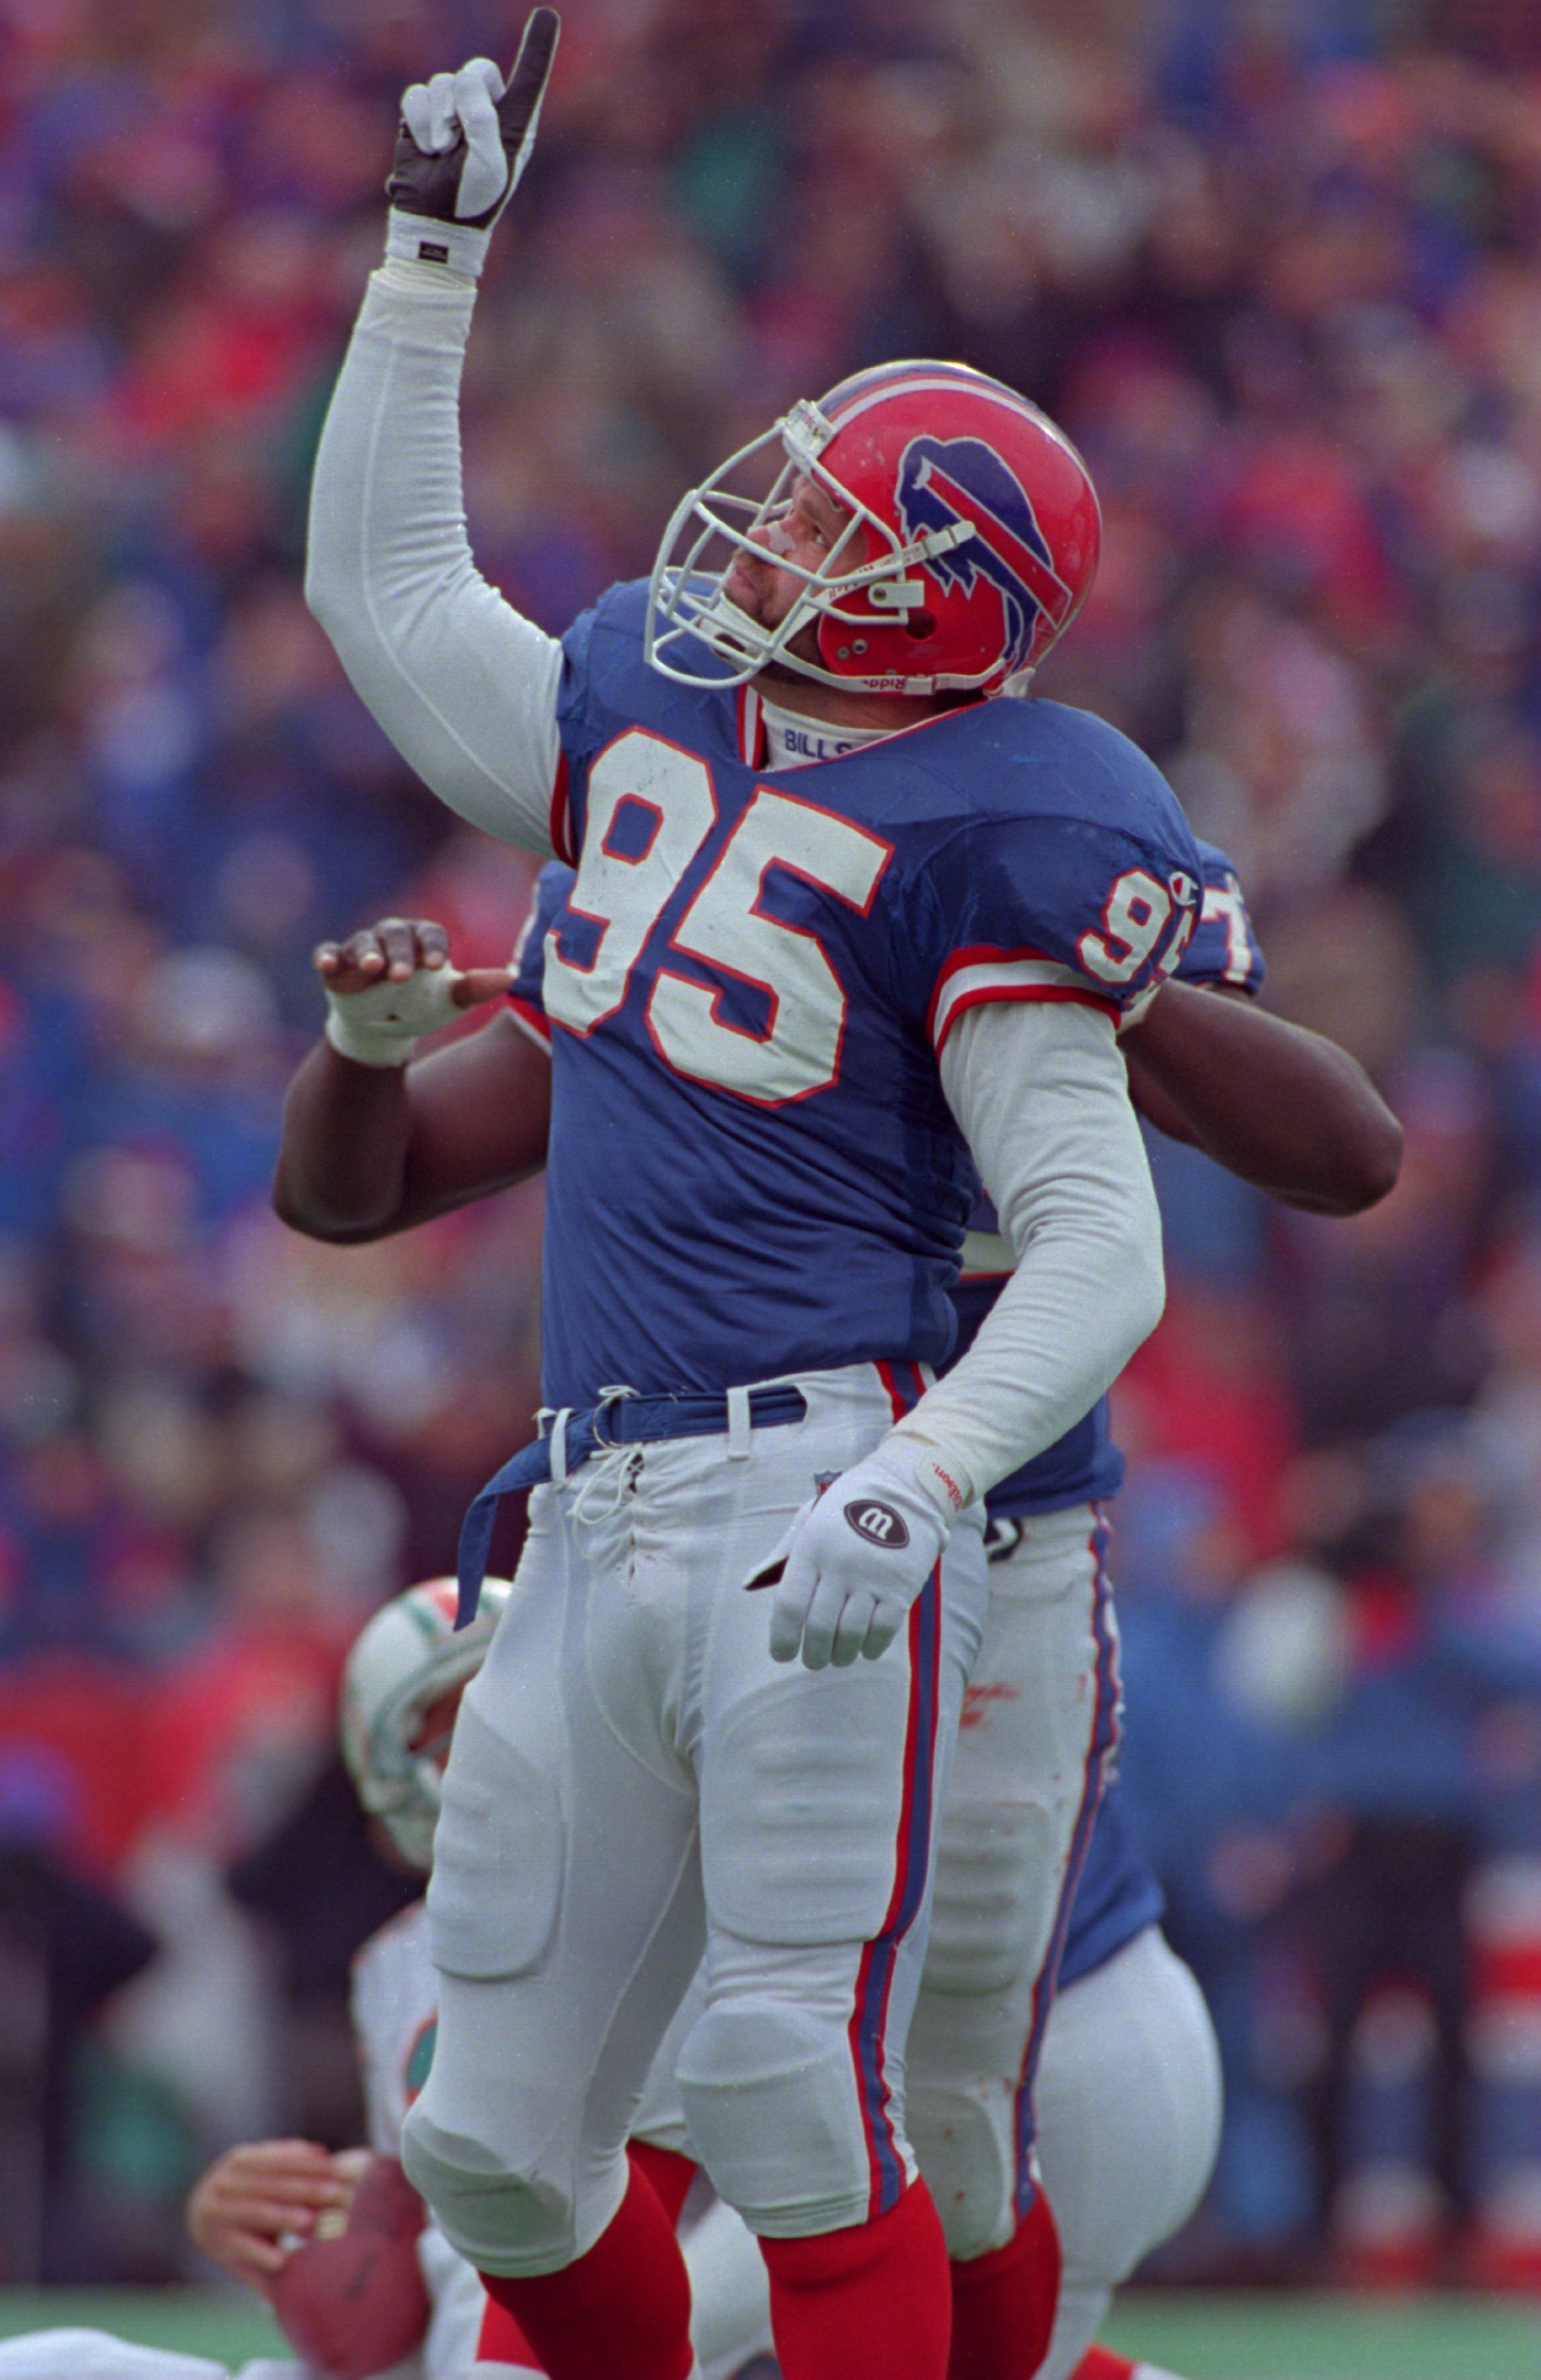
<point x="1299" y="2337"/>
<point x="1204" y="2338"/>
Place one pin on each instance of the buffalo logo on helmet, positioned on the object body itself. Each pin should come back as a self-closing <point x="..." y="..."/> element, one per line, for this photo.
<point x="944" y="482"/>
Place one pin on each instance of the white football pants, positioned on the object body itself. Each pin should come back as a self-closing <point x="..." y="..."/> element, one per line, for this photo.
<point x="1129" y="2125"/>
<point x="633" y="1781"/>
<point x="1129" y="2111"/>
<point x="1038" y="1724"/>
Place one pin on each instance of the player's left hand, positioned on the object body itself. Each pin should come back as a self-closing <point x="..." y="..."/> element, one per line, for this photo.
<point x="852" y="1564"/>
<point x="464" y="140"/>
<point x="391" y="983"/>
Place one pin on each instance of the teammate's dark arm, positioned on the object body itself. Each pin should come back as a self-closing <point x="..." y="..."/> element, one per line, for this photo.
<point x="1282" y="1107"/>
<point x="369" y="1150"/>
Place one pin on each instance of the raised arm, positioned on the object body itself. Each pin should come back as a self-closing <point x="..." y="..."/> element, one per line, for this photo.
<point x="464" y="686"/>
<point x="373" y="1143"/>
<point x="1282" y="1107"/>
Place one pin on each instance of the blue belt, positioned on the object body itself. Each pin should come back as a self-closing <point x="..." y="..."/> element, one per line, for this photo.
<point x="615" y="1421"/>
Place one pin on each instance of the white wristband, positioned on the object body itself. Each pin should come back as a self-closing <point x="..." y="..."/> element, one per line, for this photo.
<point x="454" y="248"/>
<point x="931" y="1467"/>
<point x="384" y="1024"/>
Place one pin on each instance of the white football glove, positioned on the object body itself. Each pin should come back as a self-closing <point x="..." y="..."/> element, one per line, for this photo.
<point x="464" y="142"/>
<point x="382" y="1024"/>
<point x="853" y="1560"/>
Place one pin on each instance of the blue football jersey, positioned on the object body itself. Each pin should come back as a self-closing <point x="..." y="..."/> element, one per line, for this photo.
<point x="526" y="982"/>
<point x="753" y="1170"/>
<point x="1117" y="1895"/>
<point x="1085" y="1465"/>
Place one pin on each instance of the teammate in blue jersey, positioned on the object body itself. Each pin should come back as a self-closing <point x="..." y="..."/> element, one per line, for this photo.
<point x="842" y="928"/>
<point x="1126" y="2089"/>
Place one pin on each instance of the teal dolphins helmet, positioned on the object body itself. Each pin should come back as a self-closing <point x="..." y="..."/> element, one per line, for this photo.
<point x="401" y="1662"/>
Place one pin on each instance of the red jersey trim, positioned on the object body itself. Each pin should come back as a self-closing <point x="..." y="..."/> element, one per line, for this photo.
<point x="1044" y="991"/>
<point x="532" y="1020"/>
<point x="561" y="814"/>
<point x="977" y="954"/>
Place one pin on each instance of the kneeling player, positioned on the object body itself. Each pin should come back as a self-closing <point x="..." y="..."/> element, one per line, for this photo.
<point x="338" y="2245"/>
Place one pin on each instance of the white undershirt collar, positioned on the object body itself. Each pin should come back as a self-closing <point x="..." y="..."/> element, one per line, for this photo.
<point x="793" y="739"/>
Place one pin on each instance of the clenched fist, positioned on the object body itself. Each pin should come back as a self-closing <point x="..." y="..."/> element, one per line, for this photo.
<point x="391" y="983"/>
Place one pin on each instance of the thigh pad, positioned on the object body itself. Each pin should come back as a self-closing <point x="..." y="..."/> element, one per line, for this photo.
<point x="998" y="1862"/>
<point x="496" y="1886"/>
<point x="800" y="1804"/>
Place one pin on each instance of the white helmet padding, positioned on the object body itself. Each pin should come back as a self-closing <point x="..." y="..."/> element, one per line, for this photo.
<point x="407" y="1656"/>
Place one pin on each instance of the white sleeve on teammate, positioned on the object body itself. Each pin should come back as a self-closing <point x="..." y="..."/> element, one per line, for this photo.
<point x="1039" y="1091"/>
<point x="464" y="686"/>
<point x="369" y="2018"/>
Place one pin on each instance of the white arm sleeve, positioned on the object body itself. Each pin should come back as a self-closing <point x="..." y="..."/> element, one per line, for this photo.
<point x="1040" y="1094"/>
<point x="368" y="2016"/>
<point x="465" y="688"/>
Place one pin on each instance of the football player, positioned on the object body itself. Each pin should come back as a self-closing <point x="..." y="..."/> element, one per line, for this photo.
<point x="841" y="917"/>
<point x="1128" y="2089"/>
<point x="1130" y="2098"/>
<point x="399" y="2289"/>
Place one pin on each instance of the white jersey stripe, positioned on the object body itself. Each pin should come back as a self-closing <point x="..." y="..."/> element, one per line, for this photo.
<point x="986" y="1256"/>
<point x="1002" y="978"/>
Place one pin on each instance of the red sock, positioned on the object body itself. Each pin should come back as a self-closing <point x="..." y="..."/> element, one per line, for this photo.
<point x="624" y="2307"/>
<point x="502" y="2340"/>
<point x="868" y="2304"/>
<point x="1003" y="2303"/>
<point x="1102" y="2364"/>
<point x="670" y="2174"/>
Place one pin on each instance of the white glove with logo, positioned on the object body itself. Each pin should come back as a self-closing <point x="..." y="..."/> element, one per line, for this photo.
<point x="853" y="1560"/>
<point x="464" y="142"/>
<point x="382" y="1024"/>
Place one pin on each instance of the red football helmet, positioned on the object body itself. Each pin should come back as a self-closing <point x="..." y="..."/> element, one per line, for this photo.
<point x="972" y="541"/>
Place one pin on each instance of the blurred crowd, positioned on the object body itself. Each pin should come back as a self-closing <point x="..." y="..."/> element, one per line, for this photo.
<point x="1276" y="266"/>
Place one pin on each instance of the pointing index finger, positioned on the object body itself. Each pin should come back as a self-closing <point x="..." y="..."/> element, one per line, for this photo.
<point x="480" y="984"/>
<point x="520" y="103"/>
